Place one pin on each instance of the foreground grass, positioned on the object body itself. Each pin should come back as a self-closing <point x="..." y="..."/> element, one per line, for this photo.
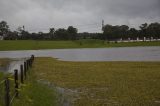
<point x="1" y="76"/>
<point x="104" y="83"/>
<point x="32" y="93"/>
<point x="34" y="45"/>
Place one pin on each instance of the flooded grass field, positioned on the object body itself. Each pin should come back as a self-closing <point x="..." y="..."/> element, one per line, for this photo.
<point x="102" y="83"/>
<point x="88" y="77"/>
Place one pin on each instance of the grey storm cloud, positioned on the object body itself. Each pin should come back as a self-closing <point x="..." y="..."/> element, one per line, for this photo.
<point x="86" y="15"/>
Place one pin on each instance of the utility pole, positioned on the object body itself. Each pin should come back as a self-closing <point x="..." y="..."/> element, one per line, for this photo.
<point x="102" y="24"/>
<point x="23" y="28"/>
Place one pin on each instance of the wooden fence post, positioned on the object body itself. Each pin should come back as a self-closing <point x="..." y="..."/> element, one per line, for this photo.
<point x="22" y="74"/>
<point x="32" y="56"/>
<point x="29" y="62"/>
<point x="27" y="65"/>
<point x="7" y="92"/>
<point x="16" y="81"/>
<point x="32" y="59"/>
<point x="25" y="70"/>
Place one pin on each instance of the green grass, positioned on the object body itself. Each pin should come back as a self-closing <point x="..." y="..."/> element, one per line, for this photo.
<point x="1" y="76"/>
<point x="31" y="93"/>
<point x="35" y="45"/>
<point x="104" y="83"/>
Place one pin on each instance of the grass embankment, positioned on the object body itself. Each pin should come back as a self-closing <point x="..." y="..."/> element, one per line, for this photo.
<point x="104" y="83"/>
<point x="31" y="93"/>
<point x="35" y="45"/>
<point x="1" y="76"/>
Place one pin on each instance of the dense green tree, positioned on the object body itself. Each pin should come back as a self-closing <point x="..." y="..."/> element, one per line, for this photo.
<point x="66" y="34"/>
<point x="146" y="30"/>
<point x="133" y="33"/>
<point x="11" y="36"/>
<point x="123" y="31"/>
<point x="115" y="32"/>
<point x="72" y="32"/>
<point x="143" y="31"/>
<point x="153" y="30"/>
<point x="61" y="34"/>
<point x="4" y="28"/>
<point x="110" y="32"/>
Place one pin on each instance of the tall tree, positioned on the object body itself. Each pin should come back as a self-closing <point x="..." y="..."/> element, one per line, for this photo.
<point x="143" y="30"/>
<point x="107" y="31"/>
<point x="133" y="33"/>
<point x="51" y="33"/>
<point x="4" y="28"/>
<point x="61" y="34"/>
<point x="72" y="32"/>
<point x="153" y="30"/>
<point x="115" y="32"/>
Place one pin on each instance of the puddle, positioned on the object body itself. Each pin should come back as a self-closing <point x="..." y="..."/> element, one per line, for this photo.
<point x="66" y="97"/>
<point x="14" y="64"/>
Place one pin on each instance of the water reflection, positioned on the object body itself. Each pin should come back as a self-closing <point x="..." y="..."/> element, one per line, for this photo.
<point x="14" y="64"/>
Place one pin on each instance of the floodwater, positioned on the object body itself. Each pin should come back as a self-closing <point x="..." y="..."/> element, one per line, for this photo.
<point x="95" y="54"/>
<point x="68" y="96"/>
<point x="13" y="65"/>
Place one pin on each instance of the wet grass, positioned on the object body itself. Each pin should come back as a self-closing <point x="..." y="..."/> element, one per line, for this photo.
<point x="104" y="83"/>
<point x="33" y="93"/>
<point x="1" y="76"/>
<point x="36" y="45"/>
<point x="4" y="62"/>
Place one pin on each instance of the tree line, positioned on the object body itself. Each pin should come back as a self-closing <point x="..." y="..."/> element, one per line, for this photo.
<point x="124" y="32"/>
<point x="21" y="34"/>
<point x="110" y="32"/>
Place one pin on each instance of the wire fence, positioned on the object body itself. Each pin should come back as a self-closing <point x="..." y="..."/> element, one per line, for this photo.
<point x="10" y="85"/>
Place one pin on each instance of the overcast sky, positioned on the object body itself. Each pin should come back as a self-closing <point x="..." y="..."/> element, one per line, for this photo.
<point x="86" y="15"/>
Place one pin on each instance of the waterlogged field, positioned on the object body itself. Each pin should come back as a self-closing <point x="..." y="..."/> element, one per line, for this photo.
<point x="4" y="62"/>
<point x="102" y="83"/>
<point x="35" y="44"/>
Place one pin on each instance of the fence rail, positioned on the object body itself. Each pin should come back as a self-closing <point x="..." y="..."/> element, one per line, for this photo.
<point x="8" y="90"/>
